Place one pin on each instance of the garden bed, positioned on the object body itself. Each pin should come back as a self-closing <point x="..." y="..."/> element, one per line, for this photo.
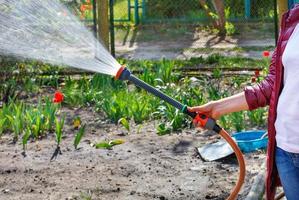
<point x="146" y="166"/>
<point x="133" y="145"/>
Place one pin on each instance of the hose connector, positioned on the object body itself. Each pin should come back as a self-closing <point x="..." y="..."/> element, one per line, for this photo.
<point x="207" y="123"/>
<point x="122" y="74"/>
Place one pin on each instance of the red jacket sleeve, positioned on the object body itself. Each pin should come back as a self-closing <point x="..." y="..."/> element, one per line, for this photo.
<point x="259" y="95"/>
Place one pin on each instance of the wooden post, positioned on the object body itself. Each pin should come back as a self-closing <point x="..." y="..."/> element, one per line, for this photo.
<point x="282" y="8"/>
<point x="103" y="21"/>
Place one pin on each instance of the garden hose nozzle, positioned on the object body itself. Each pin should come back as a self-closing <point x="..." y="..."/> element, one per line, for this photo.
<point x="201" y="119"/>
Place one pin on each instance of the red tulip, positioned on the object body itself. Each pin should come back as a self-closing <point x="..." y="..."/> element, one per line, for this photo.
<point x="58" y="97"/>
<point x="253" y="79"/>
<point x="82" y="8"/>
<point x="257" y="73"/>
<point x="266" y="54"/>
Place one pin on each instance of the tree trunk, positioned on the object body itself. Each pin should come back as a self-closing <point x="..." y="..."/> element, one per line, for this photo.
<point x="208" y="11"/>
<point x="220" y="11"/>
<point x="103" y="21"/>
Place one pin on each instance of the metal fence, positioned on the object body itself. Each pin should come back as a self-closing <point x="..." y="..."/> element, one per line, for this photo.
<point x="191" y="11"/>
<point x="161" y="23"/>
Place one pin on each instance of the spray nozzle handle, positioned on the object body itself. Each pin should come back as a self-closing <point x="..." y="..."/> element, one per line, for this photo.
<point x="206" y="122"/>
<point x="203" y="120"/>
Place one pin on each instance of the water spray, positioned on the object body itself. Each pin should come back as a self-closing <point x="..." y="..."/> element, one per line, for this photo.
<point x="124" y="74"/>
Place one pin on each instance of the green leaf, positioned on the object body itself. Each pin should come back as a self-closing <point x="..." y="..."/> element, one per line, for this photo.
<point x="116" y="142"/>
<point x="2" y="122"/>
<point x="103" y="145"/>
<point x="163" y="129"/>
<point x="59" y="129"/>
<point x="25" y="138"/>
<point x="139" y="128"/>
<point x="125" y="123"/>
<point x="108" y="145"/>
<point x="79" y="136"/>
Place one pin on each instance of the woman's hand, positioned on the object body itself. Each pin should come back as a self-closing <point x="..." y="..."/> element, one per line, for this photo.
<point x="209" y="109"/>
<point x="216" y="109"/>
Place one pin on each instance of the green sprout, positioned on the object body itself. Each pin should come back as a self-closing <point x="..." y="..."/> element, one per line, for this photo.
<point x="49" y="112"/>
<point x="108" y="145"/>
<point x="123" y="121"/>
<point x="16" y="120"/>
<point x="79" y="136"/>
<point x="25" y="139"/>
<point x="58" y="136"/>
<point x="163" y="129"/>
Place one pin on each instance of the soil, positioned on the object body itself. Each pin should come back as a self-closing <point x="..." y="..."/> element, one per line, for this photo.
<point x="187" y="42"/>
<point x="146" y="166"/>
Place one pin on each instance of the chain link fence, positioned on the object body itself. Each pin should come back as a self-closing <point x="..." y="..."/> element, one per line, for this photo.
<point x="187" y="28"/>
<point x="168" y="11"/>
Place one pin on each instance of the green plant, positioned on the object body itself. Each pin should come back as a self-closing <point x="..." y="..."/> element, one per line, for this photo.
<point x="165" y="71"/>
<point x="58" y="136"/>
<point x="49" y="112"/>
<point x="139" y="110"/>
<point x="116" y="106"/>
<point x="139" y="128"/>
<point x="4" y="112"/>
<point x="36" y="121"/>
<point x="79" y="136"/>
<point x="224" y="122"/>
<point x="123" y="121"/>
<point x="166" y="8"/>
<point x="16" y="120"/>
<point x="238" y="121"/>
<point x="59" y="124"/>
<point x="214" y="93"/>
<point x="25" y="139"/>
<point x="178" y="121"/>
<point x="257" y="117"/>
<point x="108" y="145"/>
<point x="2" y="127"/>
<point x="162" y="129"/>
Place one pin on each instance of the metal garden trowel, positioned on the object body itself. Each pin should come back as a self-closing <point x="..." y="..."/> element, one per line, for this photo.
<point x="248" y="141"/>
<point x="215" y="151"/>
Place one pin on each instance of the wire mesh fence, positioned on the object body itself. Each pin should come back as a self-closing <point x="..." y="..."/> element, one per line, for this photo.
<point x="195" y="11"/>
<point x="178" y="29"/>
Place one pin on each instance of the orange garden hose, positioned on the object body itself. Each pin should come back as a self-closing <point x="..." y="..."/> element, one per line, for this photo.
<point x="234" y="193"/>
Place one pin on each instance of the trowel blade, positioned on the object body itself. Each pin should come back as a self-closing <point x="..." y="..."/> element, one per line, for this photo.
<point x="215" y="151"/>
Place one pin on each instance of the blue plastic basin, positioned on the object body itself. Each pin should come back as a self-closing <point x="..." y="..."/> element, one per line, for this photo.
<point x="249" y="141"/>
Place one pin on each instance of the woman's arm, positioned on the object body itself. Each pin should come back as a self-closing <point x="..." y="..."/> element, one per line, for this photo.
<point x="216" y="109"/>
<point x="253" y="97"/>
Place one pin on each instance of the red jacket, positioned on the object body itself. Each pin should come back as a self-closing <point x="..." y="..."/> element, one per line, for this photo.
<point x="267" y="93"/>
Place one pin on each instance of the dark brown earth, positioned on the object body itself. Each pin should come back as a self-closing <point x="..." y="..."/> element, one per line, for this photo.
<point x="146" y="166"/>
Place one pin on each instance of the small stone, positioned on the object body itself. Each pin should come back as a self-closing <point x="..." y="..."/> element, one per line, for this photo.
<point x="162" y="198"/>
<point x="6" y="191"/>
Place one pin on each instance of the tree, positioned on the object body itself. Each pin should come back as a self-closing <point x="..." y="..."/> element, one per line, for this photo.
<point x="218" y="19"/>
